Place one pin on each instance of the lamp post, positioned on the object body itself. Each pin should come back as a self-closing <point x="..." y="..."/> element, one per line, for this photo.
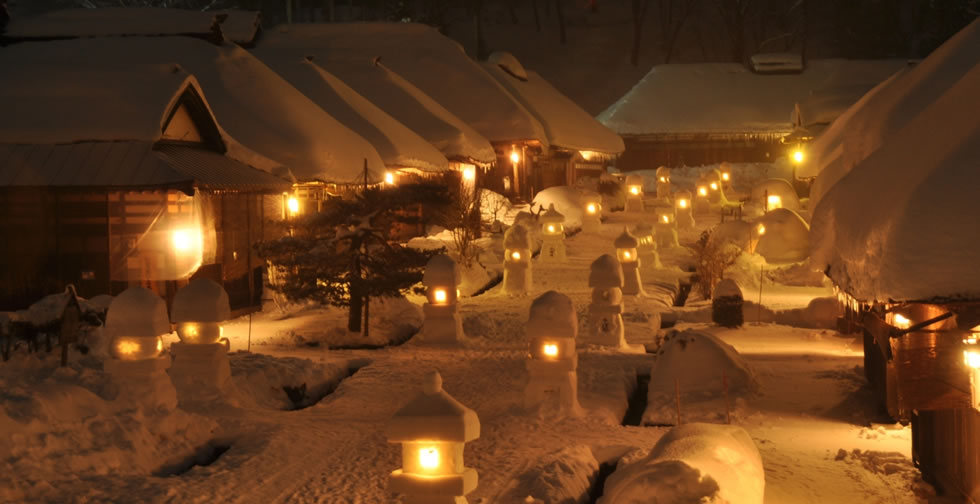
<point x="663" y="184"/>
<point x="630" y="262"/>
<point x="552" y="361"/>
<point x="441" y="310"/>
<point x="684" y="211"/>
<point x="517" y="260"/>
<point x="433" y="429"/>
<point x="606" y="308"/>
<point x="552" y="235"/>
<point x="592" y="212"/>
<point x="634" y="193"/>
<point x="201" y="369"/>
<point x="136" y="319"/>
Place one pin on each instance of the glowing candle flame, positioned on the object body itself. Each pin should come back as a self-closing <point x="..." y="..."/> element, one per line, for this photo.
<point x="703" y="191"/>
<point x="761" y="229"/>
<point x="292" y="204"/>
<point x="591" y="208"/>
<point x="666" y="219"/>
<point x="429" y="458"/>
<point x="663" y="180"/>
<point x="901" y="321"/>
<point x="714" y="186"/>
<point x="515" y="255"/>
<point x="439" y="296"/>
<point x="774" y="201"/>
<point x="551" y="228"/>
<point x="798" y="156"/>
<point x="551" y="350"/>
<point x="682" y="203"/>
<point x="725" y="176"/>
<point x="515" y="157"/>
<point x="635" y="190"/>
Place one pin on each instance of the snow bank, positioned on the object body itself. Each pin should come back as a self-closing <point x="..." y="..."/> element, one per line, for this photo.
<point x="561" y="477"/>
<point x="693" y="463"/>
<point x="259" y="379"/>
<point x="696" y="363"/>
<point x="567" y="202"/>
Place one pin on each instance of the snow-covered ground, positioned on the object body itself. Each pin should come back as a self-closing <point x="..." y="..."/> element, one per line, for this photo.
<point x="810" y="419"/>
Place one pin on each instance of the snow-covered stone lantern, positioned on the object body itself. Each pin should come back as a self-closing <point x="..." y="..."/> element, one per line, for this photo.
<point x="683" y="209"/>
<point x="606" y="309"/>
<point x="702" y="198"/>
<point x="666" y="227"/>
<point x="432" y="429"/>
<point x="517" y="260"/>
<point x="646" y="247"/>
<point x="725" y="168"/>
<point x="629" y="260"/>
<point x="663" y="183"/>
<point x="552" y="361"/>
<point x="442" y="323"/>
<point x="135" y="321"/>
<point x="592" y="212"/>
<point x="552" y="235"/>
<point x="201" y="356"/>
<point x="634" y="193"/>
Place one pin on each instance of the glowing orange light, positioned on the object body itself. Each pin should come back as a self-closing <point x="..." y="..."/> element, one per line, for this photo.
<point x="515" y="255"/>
<point x="798" y="156"/>
<point x="591" y="208"/>
<point x="429" y="458"/>
<point x="682" y="203"/>
<point x="725" y="176"/>
<point x="635" y="190"/>
<point x="551" y="350"/>
<point x="292" y="204"/>
<point x="714" y="186"/>
<point x="703" y="191"/>
<point x="515" y="157"/>
<point x="439" y="296"/>
<point x="761" y="229"/>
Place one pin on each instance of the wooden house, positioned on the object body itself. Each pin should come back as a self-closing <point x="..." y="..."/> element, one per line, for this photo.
<point x="119" y="177"/>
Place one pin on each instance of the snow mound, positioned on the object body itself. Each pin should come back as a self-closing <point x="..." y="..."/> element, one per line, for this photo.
<point x="776" y="188"/>
<point x="696" y="363"/>
<point x="786" y="238"/>
<point x="693" y="464"/>
<point x="508" y="62"/>
<point x="567" y="201"/>
<point x="561" y="477"/>
<point x="738" y="233"/>
<point x="259" y="379"/>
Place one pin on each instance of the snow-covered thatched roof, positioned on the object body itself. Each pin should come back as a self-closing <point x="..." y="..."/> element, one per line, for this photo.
<point x="730" y="99"/>
<point x="237" y="26"/>
<point x="399" y="146"/>
<point x="254" y="104"/>
<point x="392" y="94"/>
<point x="892" y="105"/>
<point x="435" y="64"/>
<point x="567" y="125"/>
<point x="901" y="225"/>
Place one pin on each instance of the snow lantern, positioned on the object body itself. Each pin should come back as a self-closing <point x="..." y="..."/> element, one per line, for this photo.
<point x="784" y="236"/>
<point x="552" y="361"/>
<point x="442" y="323"/>
<point x="552" y="235"/>
<point x="726" y="304"/>
<point x="134" y="323"/>
<point x="666" y="226"/>
<point x="775" y="193"/>
<point x="198" y="310"/>
<point x="606" y="309"/>
<point x="663" y="183"/>
<point x="716" y="190"/>
<point x="646" y="247"/>
<point x="592" y="216"/>
<point x="629" y="260"/>
<point x="517" y="260"/>
<point x="725" y="169"/>
<point x="683" y="210"/>
<point x="634" y="193"/>
<point x="702" y="198"/>
<point x="432" y="429"/>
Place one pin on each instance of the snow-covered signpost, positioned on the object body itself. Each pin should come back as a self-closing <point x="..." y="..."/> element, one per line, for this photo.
<point x="517" y="261"/>
<point x="432" y="429"/>
<point x="634" y="193"/>
<point x="552" y="361"/>
<point x="666" y="228"/>
<point x="442" y="323"/>
<point x="592" y="216"/>
<point x="136" y="319"/>
<point x="684" y="211"/>
<point x="201" y="357"/>
<point x="663" y="184"/>
<point x="552" y="235"/>
<point x="630" y="262"/>
<point x="606" y="309"/>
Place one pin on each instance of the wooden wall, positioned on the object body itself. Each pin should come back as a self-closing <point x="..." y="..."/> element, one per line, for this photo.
<point x="946" y="448"/>
<point x="648" y="154"/>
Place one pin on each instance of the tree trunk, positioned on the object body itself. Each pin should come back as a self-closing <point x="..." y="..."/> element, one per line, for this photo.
<point x="537" y="17"/>
<point x="806" y="29"/>
<point x="513" y="12"/>
<point x="639" y="12"/>
<point x="367" y="317"/>
<point x="356" y="300"/>
<point x="561" y="22"/>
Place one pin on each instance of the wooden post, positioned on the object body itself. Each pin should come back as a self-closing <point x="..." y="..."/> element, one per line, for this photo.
<point x="677" y="397"/>
<point x="365" y="175"/>
<point x="69" y="324"/>
<point x="759" y="308"/>
<point x="367" y="314"/>
<point x="724" y="384"/>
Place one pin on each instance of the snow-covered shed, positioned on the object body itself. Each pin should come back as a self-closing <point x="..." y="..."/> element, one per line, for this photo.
<point x="579" y="143"/>
<point x="897" y="235"/>
<point x="703" y="113"/>
<point x="439" y="67"/>
<point x="124" y="177"/>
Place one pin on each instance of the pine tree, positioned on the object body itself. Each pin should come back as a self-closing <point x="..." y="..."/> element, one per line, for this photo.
<point x="344" y="256"/>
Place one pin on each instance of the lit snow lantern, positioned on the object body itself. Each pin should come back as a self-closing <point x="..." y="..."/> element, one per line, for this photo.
<point x="716" y="190"/>
<point x="606" y="308"/>
<point x="726" y="174"/>
<point x="774" y="193"/>
<point x="517" y="260"/>
<point x="592" y="215"/>
<point x="702" y="199"/>
<point x="442" y="323"/>
<point x="134" y="323"/>
<point x="663" y="183"/>
<point x="683" y="210"/>
<point x="552" y="235"/>
<point x="634" y="193"/>
<point x="552" y="361"/>
<point x="198" y="310"/>
<point x="432" y="429"/>
<point x="629" y="260"/>
<point x="646" y="247"/>
<point x="666" y="226"/>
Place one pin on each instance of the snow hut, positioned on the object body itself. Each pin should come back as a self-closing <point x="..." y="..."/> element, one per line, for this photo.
<point x="432" y="429"/>
<point x="126" y="180"/>
<point x="551" y="329"/>
<point x="441" y="309"/>
<point x="552" y="235"/>
<point x="705" y="113"/>
<point x="629" y="261"/>
<point x="784" y="236"/>
<point x="517" y="260"/>
<point x="606" y="309"/>
<point x="771" y="194"/>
